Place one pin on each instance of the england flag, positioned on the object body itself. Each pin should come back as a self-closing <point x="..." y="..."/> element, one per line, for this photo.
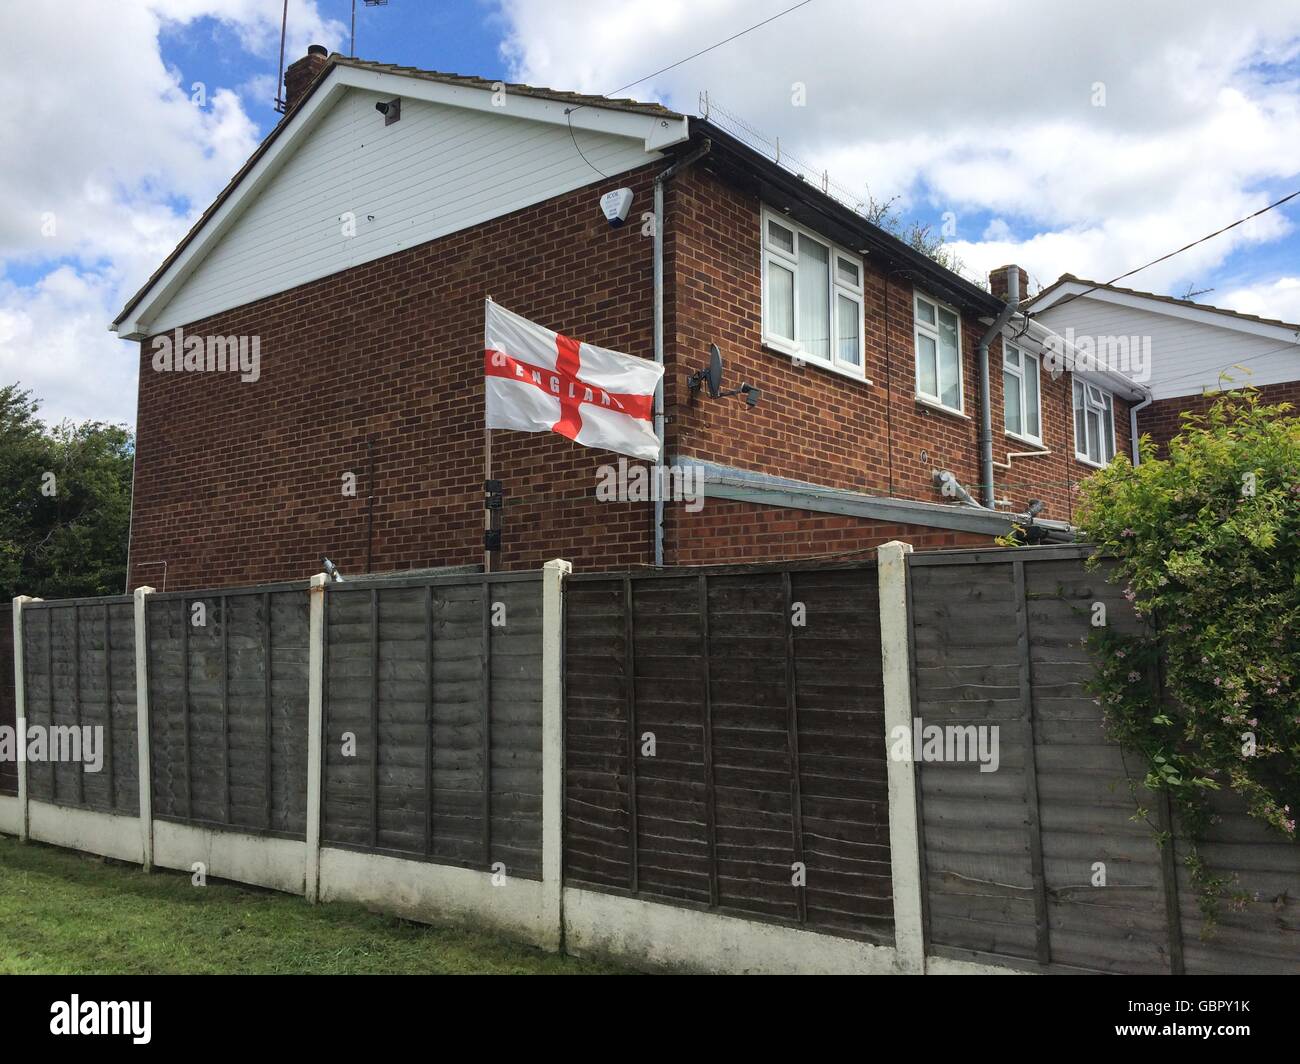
<point x="541" y="381"/>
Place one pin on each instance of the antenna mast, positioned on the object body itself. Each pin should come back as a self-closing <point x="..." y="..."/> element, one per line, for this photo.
<point x="279" y="85"/>
<point x="369" y="3"/>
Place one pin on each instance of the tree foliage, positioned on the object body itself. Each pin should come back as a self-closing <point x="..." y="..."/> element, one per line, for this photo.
<point x="67" y="503"/>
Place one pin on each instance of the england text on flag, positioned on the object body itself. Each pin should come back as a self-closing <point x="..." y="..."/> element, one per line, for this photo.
<point x="537" y="380"/>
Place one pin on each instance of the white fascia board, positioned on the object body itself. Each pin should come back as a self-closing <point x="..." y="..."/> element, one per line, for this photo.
<point x="135" y="326"/>
<point x="655" y="131"/>
<point x="1112" y="380"/>
<point x="1172" y="310"/>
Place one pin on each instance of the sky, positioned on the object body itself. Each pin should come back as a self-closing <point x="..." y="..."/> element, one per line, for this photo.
<point x="1083" y="138"/>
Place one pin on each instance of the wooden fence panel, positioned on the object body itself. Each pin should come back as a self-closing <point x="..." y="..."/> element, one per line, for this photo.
<point x="1013" y="860"/>
<point x="433" y="720"/>
<point x="228" y="708"/>
<point x="724" y="742"/>
<point x="80" y="672"/>
<point x="8" y="705"/>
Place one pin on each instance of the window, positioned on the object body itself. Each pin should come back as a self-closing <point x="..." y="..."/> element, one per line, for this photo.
<point x="812" y="297"/>
<point x="1094" y="423"/>
<point x="938" y="353"/>
<point x="1022" y="414"/>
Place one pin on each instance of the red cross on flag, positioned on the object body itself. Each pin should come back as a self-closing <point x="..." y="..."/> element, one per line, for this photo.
<point x="541" y="381"/>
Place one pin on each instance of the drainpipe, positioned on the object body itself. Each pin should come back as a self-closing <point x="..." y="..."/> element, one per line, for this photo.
<point x="661" y="179"/>
<point x="986" y="414"/>
<point x="1133" y="426"/>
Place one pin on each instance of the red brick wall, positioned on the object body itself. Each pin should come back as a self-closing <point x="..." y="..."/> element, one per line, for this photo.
<point x="816" y="425"/>
<point x="1162" y="418"/>
<point x="240" y="483"/>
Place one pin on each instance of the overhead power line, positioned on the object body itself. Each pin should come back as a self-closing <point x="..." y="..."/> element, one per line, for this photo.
<point x="702" y="51"/>
<point x="568" y="112"/>
<point x="1179" y="251"/>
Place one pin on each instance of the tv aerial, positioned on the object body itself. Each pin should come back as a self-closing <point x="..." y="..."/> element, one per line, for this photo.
<point x="711" y="375"/>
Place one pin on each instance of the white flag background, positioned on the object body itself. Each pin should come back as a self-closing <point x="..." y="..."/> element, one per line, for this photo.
<point x="537" y="380"/>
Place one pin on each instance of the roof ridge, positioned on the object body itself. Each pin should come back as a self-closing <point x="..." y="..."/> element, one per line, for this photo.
<point x="1069" y="278"/>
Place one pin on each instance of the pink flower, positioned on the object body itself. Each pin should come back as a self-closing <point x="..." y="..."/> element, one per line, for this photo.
<point x="1134" y="676"/>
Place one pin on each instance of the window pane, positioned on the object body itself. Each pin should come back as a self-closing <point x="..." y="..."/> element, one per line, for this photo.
<point x="814" y="280"/>
<point x="1032" y="427"/>
<point x="927" y="382"/>
<point x="949" y="361"/>
<point x="1094" y="435"/>
<point x="1108" y="431"/>
<point x="780" y="237"/>
<point x="780" y="301"/>
<point x="847" y="326"/>
<point x="847" y="271"/>
<point x="1080" y="431"/>
<point x="1010" y="356"/>
<point x="924" y="311"/>
<point x="1011" y="390"/>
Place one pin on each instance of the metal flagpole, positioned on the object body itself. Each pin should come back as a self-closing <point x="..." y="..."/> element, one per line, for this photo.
<point x="487" y="478"/>
<point x="487" y="481"/>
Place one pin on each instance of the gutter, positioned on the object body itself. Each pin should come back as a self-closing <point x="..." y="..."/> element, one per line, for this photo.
<point x="662" y="178"/>
<point x="986" y="412"/>
<point x="765" y="489"/>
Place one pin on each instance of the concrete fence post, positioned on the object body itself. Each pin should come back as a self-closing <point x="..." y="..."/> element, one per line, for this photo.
<point x="20" y="713"/>
<point x="904" y="831"/>
<point x="144" y="756"/>
<point x="315" y="731"/>
<point x="553" y="575"/>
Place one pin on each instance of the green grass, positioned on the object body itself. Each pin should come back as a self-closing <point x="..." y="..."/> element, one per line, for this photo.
<point x="68" y="913"/>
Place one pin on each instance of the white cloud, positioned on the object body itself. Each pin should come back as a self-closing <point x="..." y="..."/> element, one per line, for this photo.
<point x="1272" y="299"/>
<point x="951" y="108"/>
<point x="107" y="163"/>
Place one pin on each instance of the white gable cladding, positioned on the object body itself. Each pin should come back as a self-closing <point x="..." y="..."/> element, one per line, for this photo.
<point x="1187" y="356"/>
<point x="438" y="170"/>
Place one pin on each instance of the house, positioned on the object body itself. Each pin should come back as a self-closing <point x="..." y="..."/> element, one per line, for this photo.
<point x="1186" y="352"/>
<point x="341" y="276"/>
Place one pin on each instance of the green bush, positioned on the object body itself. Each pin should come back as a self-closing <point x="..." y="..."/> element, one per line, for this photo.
<point x="1207" y="541"/>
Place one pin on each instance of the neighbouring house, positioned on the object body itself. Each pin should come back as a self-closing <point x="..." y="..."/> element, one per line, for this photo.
<point x="354" y="251"/>
<point x="1186" y="352"/>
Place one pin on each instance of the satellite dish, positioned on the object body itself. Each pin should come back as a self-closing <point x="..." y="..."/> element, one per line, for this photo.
<point x="714" y="371"/>
<point x="711" y="375"/>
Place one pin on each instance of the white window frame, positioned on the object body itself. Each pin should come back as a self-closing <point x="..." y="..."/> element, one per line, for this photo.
<point x="1024" y="357"/>
<point x="920" y="327"/>
<point x="836" y="288"/>
<point x="1101" y="401"/>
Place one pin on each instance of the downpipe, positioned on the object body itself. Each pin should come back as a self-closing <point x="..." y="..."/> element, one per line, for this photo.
<point x="986" y="412"/>
<point x="661" y="179"/>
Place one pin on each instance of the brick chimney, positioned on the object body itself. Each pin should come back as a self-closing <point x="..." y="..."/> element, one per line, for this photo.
<point x="302" y="73"/>
<point x="998" y="282"/>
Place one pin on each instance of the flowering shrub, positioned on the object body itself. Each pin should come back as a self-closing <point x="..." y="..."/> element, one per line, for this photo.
<point x="1207" y="541"/>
